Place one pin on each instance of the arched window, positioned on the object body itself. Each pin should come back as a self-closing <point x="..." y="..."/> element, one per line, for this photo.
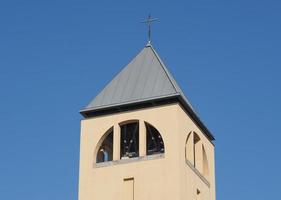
<point x="129" y="140"/>
<point x="154" y="141"/>
<point x="193" y="149"/>
<point x="195" y="153"/>
<point x="105" y="151"/>
<point x="189" y="148"/>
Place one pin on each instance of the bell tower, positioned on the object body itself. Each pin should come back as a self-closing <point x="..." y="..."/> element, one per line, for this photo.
<point x="142" y="140"/>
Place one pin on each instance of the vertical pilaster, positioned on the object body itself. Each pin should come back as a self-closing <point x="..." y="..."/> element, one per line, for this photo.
<point x="116" y="142"/>
<point x="199" y="156"/>
<point x="142" y="138"/>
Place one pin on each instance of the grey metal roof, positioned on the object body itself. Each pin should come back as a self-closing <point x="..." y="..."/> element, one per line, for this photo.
<point x="145" y="81"/>
<point x="144" y="78"/>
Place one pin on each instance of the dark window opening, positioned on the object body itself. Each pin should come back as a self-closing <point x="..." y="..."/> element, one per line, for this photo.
<point x="105" y="152"/>
<point x="154" y="141"/>
<point x="130" y="140"/>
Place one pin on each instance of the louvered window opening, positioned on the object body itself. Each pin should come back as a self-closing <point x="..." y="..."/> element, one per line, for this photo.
<point x="130" y="140"/>
<point x="105" y="152"/>
<point x="154" y="141"/>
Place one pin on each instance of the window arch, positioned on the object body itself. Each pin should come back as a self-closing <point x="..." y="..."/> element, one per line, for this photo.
<point x="154" y="141"/>
<point x="105" y="149"/>
<point x="193" y="149"/>
<point x="128" y="134"/>
<point x="195" y="153"/>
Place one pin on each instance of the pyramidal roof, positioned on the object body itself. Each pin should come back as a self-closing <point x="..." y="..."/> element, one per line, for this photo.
<point x="143" y="81"/>
<point x="144" y="78"/>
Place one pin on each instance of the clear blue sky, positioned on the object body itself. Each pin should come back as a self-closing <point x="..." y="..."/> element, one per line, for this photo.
<point x="56" y="55"/>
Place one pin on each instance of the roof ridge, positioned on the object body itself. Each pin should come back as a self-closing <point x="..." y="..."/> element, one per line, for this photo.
<point x="170" y="76"/>
<point x="163" y="66"/>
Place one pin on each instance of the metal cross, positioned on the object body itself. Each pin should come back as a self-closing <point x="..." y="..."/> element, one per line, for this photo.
<point x="149" y="21"/>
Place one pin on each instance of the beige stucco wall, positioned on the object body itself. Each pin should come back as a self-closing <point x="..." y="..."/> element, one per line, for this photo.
<point x="190" y="180"/>
<point x="162" y="177"/>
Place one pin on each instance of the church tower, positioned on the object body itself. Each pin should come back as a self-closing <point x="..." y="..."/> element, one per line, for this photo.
<point x="142" y="140"/>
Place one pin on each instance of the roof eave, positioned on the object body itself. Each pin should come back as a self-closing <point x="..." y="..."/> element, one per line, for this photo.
<point x="92" y="112"/>
<point x="119" y="107"/>
<point x="195" y="118"/>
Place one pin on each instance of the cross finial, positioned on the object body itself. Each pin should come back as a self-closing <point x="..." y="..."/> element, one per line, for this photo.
<point x="149" y="21"/>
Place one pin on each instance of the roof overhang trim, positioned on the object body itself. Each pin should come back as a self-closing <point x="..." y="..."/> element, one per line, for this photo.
<point x="127" y="106"/>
